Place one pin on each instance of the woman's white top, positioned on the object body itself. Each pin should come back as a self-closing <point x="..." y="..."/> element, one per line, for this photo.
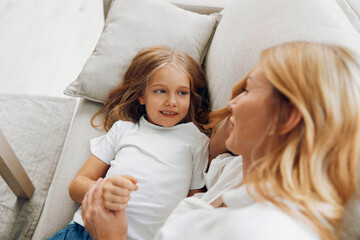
<point x="244" y="218"/>
<point x="166" y="161"/>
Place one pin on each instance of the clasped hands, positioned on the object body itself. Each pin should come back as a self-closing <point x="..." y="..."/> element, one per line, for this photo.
<point x="104" y="207"/>
<point x="116" y="191"/>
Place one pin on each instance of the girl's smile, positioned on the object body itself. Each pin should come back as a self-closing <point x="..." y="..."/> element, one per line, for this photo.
<point x="166" y="97"/>
<point x="169" y="114"/>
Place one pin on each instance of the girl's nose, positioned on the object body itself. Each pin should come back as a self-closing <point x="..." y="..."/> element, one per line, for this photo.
<point x="171" y="101"/>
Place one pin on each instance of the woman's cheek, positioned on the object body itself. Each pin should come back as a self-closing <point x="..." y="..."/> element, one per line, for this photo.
<point x="230" y="142"/>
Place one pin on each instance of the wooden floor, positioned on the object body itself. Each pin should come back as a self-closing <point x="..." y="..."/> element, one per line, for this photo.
<point x="45" y="43"/>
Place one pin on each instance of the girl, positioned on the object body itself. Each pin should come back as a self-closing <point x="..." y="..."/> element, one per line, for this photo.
<point x="153" y="120"/>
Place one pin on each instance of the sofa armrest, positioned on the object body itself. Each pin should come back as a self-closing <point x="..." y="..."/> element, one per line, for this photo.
<point x="106" y="5"/>
<point x="59" y="208"/>
<point x="199" y="6"/>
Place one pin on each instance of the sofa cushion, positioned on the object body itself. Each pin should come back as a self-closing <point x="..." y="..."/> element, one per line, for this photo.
<point x="130" y="27"/>
<point x="247" y="27"/>
<point x="59" y="208"/>
<point x="352" y="10"/>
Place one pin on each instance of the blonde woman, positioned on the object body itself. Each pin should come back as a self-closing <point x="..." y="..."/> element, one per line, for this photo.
<point x="295" y="120"/>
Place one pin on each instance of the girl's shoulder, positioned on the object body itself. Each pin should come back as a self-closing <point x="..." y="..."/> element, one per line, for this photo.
<point x="122" y="122"/>
<point x="194" y="131"/>
<point x="123" y="125"/>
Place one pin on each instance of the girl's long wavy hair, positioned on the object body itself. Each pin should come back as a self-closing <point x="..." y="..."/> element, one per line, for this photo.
<point x="315" y="165"/>
<point x="123" y="103"/>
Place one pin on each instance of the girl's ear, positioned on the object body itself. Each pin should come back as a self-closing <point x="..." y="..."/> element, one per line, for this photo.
<point x="141" y="100"/>
<point x="293" y="120"/>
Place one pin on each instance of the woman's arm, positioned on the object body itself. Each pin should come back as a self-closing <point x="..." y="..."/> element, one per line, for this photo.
<point x="195" y="219"/>
<point x="217" y="141"/>
<point x="93" y="169"/>
<point x="194" y="191"/>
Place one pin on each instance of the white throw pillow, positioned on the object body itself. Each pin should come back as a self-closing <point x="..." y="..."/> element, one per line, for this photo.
<point x="132" y="25"/>
<point x="248" y="27"/>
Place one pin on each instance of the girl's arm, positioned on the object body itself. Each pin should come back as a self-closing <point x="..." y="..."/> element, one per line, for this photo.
<point x="217" y="141"/>
<point x="92" y="169"/>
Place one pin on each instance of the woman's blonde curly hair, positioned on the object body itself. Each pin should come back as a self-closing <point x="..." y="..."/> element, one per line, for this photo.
<point x="315" y="165"/>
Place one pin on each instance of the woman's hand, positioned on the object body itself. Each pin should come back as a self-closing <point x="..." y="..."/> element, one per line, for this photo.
<point x="101" y="223"/>
<point x="218" y="203"/>
<point x="116" y="191"/>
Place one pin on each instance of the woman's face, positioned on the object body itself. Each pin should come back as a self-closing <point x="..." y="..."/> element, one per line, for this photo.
<point x="251" y="115"/>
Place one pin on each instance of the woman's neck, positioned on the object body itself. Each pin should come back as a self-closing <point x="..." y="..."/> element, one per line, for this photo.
<point x="247" y="161"/>
<point x="246" y="165"/>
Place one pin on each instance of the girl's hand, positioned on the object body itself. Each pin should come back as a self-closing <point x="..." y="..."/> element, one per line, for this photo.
<point x="116" y="191"/>
<point x="101" y="223"/>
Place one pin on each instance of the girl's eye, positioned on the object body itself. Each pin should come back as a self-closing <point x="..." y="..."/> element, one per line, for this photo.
<point x="243" y="89"/>
<point x="160" y="91"/>
<point x="183" y="93"/>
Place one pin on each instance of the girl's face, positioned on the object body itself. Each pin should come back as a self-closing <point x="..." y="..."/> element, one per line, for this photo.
<point x="166" y="97"/>
<point x="251" y="115"/>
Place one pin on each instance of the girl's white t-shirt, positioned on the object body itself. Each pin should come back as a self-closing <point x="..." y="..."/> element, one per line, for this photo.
<point x="166" y="161"/>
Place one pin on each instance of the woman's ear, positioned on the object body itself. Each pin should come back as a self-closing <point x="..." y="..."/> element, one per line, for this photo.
<point x="141" y="100"/>
<point x="293" y="120"/>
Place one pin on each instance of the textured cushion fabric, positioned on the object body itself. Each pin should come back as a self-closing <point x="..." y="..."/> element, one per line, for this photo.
<point x="132" y="25"/>
<point x="36" y="128"/>
<point x="235" y="48"/>
<point x="352" y="10"/>
<point x="355" y="6"/>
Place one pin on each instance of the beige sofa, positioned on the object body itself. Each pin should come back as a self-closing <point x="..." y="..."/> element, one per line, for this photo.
<point x="245" y="29"/>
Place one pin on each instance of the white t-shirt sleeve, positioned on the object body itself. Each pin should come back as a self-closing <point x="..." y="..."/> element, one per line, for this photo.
<point x="200" y="161"/>
<point x="225" y="173"/>
<point x="103" y="147"/>
<point x="194" y="219"/>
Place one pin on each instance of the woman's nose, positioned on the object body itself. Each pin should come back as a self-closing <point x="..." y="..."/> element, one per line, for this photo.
<point x="231" y="104"/>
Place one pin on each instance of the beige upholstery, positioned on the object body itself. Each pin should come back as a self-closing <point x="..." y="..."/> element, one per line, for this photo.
<point x="59" y="208"/>
<point x="247" y="27"/>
